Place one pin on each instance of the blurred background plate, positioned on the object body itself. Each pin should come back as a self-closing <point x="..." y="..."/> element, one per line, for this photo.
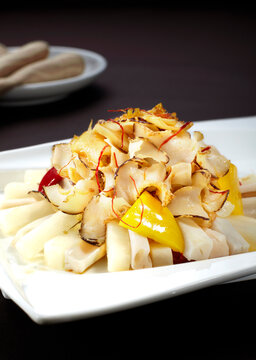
<point x="39" y="93"/>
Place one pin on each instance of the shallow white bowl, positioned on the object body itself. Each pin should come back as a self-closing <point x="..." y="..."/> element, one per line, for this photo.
<point x="55" y="296"/>
<point x="37" y="93"/>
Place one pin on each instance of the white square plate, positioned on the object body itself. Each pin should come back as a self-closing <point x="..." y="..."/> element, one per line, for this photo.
<point x="55" y="296"/>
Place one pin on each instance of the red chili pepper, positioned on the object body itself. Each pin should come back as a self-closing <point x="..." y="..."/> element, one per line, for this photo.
<point x="52" y="177"/>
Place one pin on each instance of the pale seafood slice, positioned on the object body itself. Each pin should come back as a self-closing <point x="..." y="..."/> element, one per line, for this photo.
<point x="138" y="172"/>
<point x="181" y="148"/>
<point x="112" y="131"/>
<point x="96" y="215"/>
<point x="143" y="149"/>
<point x="89" y="146"/>
<point x="187" y="202"/>
<point x="73" y="200"/>
<point x="180" y="175"/>
<point x="213" y="161"/>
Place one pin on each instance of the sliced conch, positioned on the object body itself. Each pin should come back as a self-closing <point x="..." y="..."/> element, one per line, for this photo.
<point x="180" y="148"/>
<point x="139" y="175"/>
<point x="73" y="200"/>
<point x="180" y="175"/>
<point x="96" y="215"/>
<point x="143" y="149"/>
<point x="89" y="146"/>
<point x="69" y="165"/>
<point x="187" y="202"/>
<point x="213" y="161"/>
<point x="112" y="131"/>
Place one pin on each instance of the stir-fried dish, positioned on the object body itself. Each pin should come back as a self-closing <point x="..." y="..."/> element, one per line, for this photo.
<point x="139" y="190"/>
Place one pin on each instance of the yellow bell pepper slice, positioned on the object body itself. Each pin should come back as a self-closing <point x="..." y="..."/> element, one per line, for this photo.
<point x="156" y="222"/>
<point x="230" y="182"/>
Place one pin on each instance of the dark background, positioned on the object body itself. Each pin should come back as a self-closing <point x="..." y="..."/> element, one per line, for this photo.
<point x="199" y="60"/>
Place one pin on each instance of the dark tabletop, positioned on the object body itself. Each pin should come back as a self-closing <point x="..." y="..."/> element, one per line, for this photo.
<point x="199" y="62"/>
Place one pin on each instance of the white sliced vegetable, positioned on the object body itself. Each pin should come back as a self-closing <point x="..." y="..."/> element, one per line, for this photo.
<point x="11" y="220"/>
<point x="160" y="255"/>
<point x="198" y="245"/>
<point x="17" y="190"/>
<point x="248" y="185"/>
<point x="140" y="250"/>
<point x="249" y="206"/>
<point x="83" y="255"/>
<point x="118" y="247"/>
<point x="237" y="244"/>
<point x="55" y="248"/>
<point x="246" y="226"/>
<point x="219" y="242"/>
<point x="9" y="203"/>
<point x="34" y="176"/>
<point x="27" y="228"/>
<point x="33" y="242"/>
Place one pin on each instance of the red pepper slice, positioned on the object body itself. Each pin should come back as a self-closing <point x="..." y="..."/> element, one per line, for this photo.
<point x="52" y="177"/>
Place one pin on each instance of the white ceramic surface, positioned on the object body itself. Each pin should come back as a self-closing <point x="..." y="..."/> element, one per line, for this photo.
<point x="38" y="93"/>
<point x="54" y="296"/>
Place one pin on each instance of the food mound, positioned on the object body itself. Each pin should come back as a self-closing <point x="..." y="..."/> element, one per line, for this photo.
<point x="138" y="189"/>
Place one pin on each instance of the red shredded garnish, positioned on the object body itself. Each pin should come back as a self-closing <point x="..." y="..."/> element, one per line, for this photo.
<point x="122" y="129"/>
<point x="108" y="190"/>
<point x="97" y="168"/>
<point x="142" y="211"/>
<point x="172" y="136"/>
<point x="115" y="160"/>
<point x="205" y="149"/>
